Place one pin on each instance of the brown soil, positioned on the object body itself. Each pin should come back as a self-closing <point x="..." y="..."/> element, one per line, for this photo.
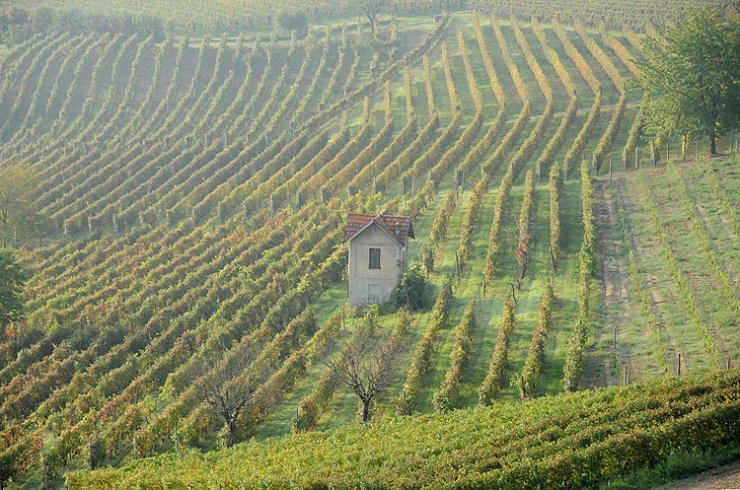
<point x="615" y="287"/>
<point x="722" y="478"/>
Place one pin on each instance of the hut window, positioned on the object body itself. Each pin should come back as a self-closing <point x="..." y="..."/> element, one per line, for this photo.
<point x="374" y="258"/>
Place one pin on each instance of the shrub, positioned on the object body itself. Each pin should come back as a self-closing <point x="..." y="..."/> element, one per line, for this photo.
<point x="412" y="291"/>
<point x="307" y="415"/>
<point x="421" y="363"/>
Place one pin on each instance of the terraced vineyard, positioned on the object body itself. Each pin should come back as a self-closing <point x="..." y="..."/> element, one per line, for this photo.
<point x="196" y="191"/>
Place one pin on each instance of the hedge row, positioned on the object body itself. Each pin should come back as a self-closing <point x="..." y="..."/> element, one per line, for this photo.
<point x="555" y="184"/>
<point x="519" y="85"/>
<point x="469" y="75"/>
<point x="573" y="370"/>
<point x="525" y="221"/>
<point x="495" y="377"/>
<point x="446" y="398"/>
<point x="421" y="363"/>
<point x="535" y="359"/>
<point x="494" y="235"/>
<point x="471" y="216"/>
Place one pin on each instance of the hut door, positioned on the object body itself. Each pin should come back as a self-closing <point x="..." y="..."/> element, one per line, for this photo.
<point x="373" y="294"/>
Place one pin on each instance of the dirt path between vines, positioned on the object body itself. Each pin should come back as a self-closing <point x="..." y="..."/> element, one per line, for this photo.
<point x="618" y="309"/>
<point x="722" y="478"/>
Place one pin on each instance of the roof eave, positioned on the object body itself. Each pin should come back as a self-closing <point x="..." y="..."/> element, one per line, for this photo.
<point x="395" y="239"/>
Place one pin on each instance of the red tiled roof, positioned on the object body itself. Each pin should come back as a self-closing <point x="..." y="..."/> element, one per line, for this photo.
<point x="399" y="227"/>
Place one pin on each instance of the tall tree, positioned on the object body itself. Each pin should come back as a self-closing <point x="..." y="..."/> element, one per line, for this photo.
<point x="13" y="277"/>
<point x="19" y="218"/>
<point x="692" y="82"/>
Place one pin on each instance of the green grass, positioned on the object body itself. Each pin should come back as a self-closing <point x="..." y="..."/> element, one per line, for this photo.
<point x="565" y="303"/>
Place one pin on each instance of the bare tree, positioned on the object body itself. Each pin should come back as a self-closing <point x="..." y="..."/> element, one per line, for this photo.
<point x="371" y="9"/>
<point x="366" y="366"/>
<point x="227" y="397"/>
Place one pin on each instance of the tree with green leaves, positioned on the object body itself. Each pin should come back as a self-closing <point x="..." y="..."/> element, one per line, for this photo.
<point x="692" y="81"/>
<point x="292" y="20"/>
<point x="19" y="218"/>
<point x="13" y="277"/>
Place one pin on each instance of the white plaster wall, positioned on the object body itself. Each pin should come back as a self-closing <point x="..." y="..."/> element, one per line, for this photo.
<point x="362" y="279"/>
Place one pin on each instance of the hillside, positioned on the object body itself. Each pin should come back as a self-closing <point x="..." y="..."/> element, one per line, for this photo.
<point x="196" y="189"/>
<point x="581" y="440"/>
<point x="239" y="15"/>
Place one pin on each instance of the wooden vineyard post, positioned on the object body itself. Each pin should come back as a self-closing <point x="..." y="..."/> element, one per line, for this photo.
<point x="553" y="266"/>
<point x="524" y="389"/>
<point x="697" y="149"/>
<point x="637" y="156"/>
<point x="615" y="339"/>
<point x="667" y="151"/>
<point x="457" y="267"/>
<point x="679" y="364"/>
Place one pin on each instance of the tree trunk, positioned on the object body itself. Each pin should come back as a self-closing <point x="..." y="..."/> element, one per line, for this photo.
<point x="232" y="433"/>
<point x="366" y="409"/>
<point x="713" y="145"/>
<point x="371" y="17"/>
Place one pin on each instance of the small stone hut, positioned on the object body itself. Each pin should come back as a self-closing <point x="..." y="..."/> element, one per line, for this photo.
<point x="378" y="254"/>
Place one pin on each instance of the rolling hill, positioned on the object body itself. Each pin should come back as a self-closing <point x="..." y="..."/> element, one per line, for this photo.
<point x="196" y="186"/>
